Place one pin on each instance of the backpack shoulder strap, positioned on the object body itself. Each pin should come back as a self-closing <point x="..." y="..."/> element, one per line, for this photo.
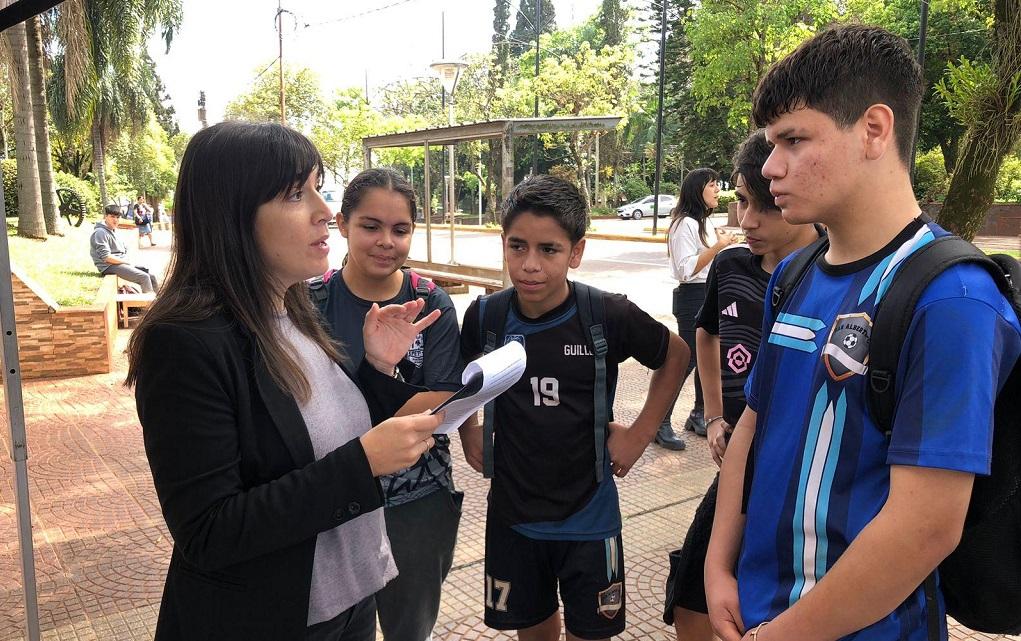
<point x="589" y="301"/>
<point x="493" y="310"/>
<point x="422" y="285"/>
<point x="318" y="291"/>
<point x="794" y="272"/>
<point x="896" y="310"/>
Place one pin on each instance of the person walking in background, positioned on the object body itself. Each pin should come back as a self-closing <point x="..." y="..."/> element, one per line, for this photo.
<point x="110" y="255"/>
<point x="142" y="214"/>
<point x="690" y="252"/>
<point x="259" y="438"/>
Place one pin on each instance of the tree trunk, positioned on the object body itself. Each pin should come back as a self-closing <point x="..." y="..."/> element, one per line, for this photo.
<point x="579" y="164"/>
<point x="993" y="135"/>
<point x="30" y="208"/>
<point x="98" y="159"/>
<point x="37" y="76"/>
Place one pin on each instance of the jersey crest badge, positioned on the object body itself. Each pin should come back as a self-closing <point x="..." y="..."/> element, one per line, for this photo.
<point x="611" y="599"/>
<point x="517" y="338"/>
<point x="847" y="349"/>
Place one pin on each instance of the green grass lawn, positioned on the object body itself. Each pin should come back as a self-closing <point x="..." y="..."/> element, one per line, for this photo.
<point x="60" y="265"/>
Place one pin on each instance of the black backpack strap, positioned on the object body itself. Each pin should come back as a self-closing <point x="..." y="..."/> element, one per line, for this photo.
<point x="896" y="310"/>
<point x="422" y="285"/>
<point x="317" y="290"/>
<point x="589" y="301"/>
<point x="794" y="272"/>
<point x="493" y="310"/>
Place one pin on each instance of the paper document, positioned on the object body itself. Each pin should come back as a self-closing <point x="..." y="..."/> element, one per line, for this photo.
<point x="484" y="379"/>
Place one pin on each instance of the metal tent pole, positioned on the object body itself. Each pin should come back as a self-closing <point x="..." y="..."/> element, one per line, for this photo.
<point x="19" y="445"/>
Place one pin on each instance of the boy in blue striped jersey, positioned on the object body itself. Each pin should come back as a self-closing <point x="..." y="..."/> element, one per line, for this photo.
<point x="843" y="524"/>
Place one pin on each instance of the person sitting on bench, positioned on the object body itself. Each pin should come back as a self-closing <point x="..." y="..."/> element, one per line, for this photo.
<point x="110" y="254"/>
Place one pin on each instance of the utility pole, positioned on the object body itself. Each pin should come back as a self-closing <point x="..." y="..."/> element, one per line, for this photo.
<point x="535" y="111"/>
<point x="280" y="41"/>
<point x="659" y="121"/>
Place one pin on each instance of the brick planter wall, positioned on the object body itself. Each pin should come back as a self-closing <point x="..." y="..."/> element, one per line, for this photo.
<point x="55" y="341"/>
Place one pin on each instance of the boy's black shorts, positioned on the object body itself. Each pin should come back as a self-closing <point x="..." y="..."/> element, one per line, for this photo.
<point x="685" y="587"/>
<point x="522" y="575"/>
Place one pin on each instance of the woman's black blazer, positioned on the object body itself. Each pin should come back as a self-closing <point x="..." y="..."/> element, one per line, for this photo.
<point x="238" y="483"/>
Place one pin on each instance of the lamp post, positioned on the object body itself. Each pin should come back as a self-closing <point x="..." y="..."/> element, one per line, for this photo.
<point x="202" y="109"/>
<point x="449" y="72"/>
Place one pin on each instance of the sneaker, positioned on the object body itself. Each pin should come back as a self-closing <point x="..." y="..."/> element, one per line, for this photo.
<point x="666" y="438"/>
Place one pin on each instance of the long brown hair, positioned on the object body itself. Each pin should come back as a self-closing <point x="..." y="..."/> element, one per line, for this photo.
<point x="227" y="172"/>
<point x="691" y="203"/>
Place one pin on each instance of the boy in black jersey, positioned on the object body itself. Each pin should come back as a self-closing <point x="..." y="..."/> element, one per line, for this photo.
<point x="728" y="331"/>
<point x="551" y="519"/>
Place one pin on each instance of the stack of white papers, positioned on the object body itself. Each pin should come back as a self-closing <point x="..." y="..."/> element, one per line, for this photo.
<point x="484" y="379"/>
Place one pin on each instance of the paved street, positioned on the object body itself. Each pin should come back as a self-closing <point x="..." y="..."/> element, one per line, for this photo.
<point x="102" y="547"/>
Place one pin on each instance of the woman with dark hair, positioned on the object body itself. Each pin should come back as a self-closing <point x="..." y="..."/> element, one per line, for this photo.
<point x="423" y="510"/>
<point x="260" y="440"/>
<point x="690" y="255"/>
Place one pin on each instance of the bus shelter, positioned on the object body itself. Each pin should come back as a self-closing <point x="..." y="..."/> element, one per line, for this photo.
<point x="504" y="130"/>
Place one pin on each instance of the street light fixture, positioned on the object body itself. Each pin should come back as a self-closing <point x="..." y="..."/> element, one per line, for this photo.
<point x="449" y="72"/>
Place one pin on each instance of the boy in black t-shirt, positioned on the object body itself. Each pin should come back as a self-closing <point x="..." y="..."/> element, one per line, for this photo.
<point x="551" y="519"/>
<point x="727" y="335"/>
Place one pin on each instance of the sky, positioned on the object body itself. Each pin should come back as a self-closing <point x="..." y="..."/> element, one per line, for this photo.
<point x="223" y="45"/>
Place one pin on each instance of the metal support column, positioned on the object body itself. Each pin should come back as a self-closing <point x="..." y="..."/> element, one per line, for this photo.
<point x="19" y="444"/>
<point x="427" y="209"/>
<point x="506" y="183"/>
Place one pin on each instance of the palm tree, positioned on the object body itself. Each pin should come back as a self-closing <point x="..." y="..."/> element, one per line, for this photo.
<point x="100" y="83"/>
<point x="37" y="77"/>
<point x="30" y="208"/>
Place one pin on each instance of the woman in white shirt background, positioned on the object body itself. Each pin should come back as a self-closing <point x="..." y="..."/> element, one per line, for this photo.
<point x="688" y="245"/>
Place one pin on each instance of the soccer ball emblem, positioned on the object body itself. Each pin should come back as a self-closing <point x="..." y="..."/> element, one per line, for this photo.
<point x="850" y="341"/>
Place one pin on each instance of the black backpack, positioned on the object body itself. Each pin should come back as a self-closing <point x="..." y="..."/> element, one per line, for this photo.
<point x="981" y="579"/>
<point x="493" y="321"/>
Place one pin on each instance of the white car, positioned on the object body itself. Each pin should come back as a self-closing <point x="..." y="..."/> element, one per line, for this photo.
<point x="643" y="207"/>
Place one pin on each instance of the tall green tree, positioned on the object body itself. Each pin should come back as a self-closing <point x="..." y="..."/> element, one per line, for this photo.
<point x="30" y="208"/>
<point x="586" y="83"/>
<point x="988" y="98"/>
<point x="261" y="103"/>
<point x="338" y="135"/>
<point x="101" y="81"/>
<point x="146" y="162"/>
<point x="501" y="31"/>
<point x="37" y="80"/>
<point x="525" y="30"/>
<point x="733" y="43"/>
<point x="613" y="21"/>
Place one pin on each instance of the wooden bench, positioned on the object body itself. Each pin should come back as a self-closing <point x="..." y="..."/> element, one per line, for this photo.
<point x="450" y="276"/>
<point x="127" y="302"/>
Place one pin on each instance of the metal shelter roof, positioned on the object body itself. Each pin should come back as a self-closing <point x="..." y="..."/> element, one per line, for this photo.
<point x="491" y="129"/>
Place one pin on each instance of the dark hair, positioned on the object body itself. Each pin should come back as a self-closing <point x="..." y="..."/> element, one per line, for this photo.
<point x="227" y="172"/>
<point x="748" y="161"/>
<point x="112" y="210"/>
<point x="544" y="195"/>
<point x="381" y="178"/>
<point x="691" y="203"/>
<point x="841" y="72"/>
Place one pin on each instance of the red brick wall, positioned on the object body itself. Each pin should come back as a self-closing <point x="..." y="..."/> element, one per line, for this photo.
<point x="56" y="341"/>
